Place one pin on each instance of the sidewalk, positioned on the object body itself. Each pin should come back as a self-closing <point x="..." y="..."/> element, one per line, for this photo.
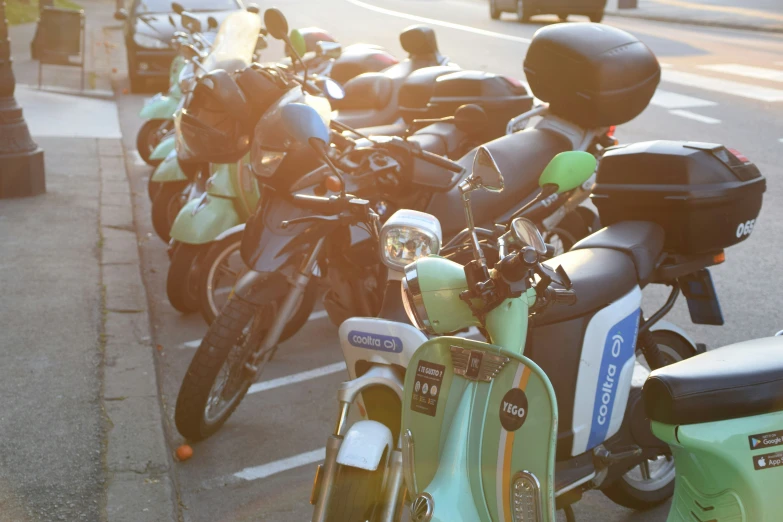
<point x="81" y="436"/>
<point x="755" y="15"/>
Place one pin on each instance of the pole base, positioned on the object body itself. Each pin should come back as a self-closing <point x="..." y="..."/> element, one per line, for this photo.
<point x="22" y="174"/>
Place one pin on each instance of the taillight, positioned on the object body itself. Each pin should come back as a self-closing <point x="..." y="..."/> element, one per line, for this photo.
<point x="611" y="130"/>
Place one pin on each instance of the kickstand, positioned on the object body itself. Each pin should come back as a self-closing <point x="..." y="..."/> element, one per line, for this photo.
<point x="569" y="513"/>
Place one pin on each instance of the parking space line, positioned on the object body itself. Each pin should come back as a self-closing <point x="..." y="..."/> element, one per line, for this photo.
<point x="749" y="71"/>
<point x="709" y="83"/>
<point x="279" y="466"/>
<point x="696" y="117"/>
<point x="195" y="343"/>
<point x="672" y="100"/>
<point x="297" y="377"/>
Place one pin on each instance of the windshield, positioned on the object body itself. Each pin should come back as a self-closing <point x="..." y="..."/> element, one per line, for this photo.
<point x="194" y="6"/>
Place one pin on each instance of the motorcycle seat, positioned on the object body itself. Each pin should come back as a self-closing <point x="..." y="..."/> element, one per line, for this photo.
<point x="600" y="276"/>
<point x="368" y="91"/>
<point x="641" y="240"/>
<point x="739" y="380"/>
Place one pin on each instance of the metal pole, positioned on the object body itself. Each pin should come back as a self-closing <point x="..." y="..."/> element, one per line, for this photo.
<point x="21" y="159"/>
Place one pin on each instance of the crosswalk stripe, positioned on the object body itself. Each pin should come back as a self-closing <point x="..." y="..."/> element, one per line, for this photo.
<point x="672" y="100"/>
<point x="708" y="83"/>
<point x="696" y="117"/>
<point x="749" y="71"/>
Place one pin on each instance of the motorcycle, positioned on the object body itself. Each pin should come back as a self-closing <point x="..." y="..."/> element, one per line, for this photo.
<point x="520" y="427"/>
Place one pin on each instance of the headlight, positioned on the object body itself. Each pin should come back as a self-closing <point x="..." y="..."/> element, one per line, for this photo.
<point x="268" y="163"/>
<point x="407" y="236"/>
<point x="149" y="42"/>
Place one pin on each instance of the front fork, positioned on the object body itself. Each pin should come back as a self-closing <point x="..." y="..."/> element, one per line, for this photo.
<point x="323" y="485"/>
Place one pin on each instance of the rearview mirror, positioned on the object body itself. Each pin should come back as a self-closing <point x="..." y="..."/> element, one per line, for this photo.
<point x="298" y="42"/>
<point x="305" y="125"/>
<point x="568" y="170"/>
<point x="486" y="173"/>
<point x="470" y="119"/>
<point x="328" y="49"/>
<point x="172" y="22"/>
<point x="253" y="8"/>
<point x="190" y="53"/>
<point x="212" y="23"/>
<point x="276" y="23"/>
<point x="177" y="7"/>
<point x="527" y="232"/>
<point x="190" y="22"/>
<point x="121" y="14"/>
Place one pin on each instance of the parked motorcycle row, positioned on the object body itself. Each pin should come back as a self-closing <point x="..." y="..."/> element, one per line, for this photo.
<point x="420" y="200"/>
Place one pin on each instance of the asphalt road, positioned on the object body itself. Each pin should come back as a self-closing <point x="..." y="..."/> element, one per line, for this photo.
<point x="275" y="436"/>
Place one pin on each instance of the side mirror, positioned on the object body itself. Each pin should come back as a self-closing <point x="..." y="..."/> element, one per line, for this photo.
<point x="328" y="49"/>
<point x="121" y="14"/>
<point x="276" y="23"/>
<point x="470" y="119"/>
<point x="527" y="232"/>
<point x="190" y="53"/>
<point x="486" y="173"/>
<point x="177" y="7"/>
<point x="298" y="42"/>
<point x="212" y="23"/>
<point x="261" y="43"/>
<point x="172" y="22"/>
<point x="568" y="170"/>
<point x="190" y="22"/>
<point x="253" y="8"/>
<point x="305" y="125"/>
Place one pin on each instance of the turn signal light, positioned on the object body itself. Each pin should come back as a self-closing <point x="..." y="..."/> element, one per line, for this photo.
<point x="719" y="258"/>
<point x="333" y="183"/>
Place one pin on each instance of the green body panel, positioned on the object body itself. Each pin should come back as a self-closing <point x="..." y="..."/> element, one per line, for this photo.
<point x="161" y="107"/>
<point x="716" y="476"/>
<point x="507" y="324"/>
<point x="163" y="149"/>
<point x="177" y="64"/>
<point x="169" y="170"/>
<point x="203" y="219"/>
<point x="235" y="180"/>
<point x="441" y="282"/>
<point x="220" y="182"/>
<point x="464" y="458"/>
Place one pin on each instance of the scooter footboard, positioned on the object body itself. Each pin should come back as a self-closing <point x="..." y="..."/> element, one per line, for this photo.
<point x="482" y="426"/>
<point x="730" y="470"/>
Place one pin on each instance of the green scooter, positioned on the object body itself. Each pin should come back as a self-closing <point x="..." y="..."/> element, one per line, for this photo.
<point x="159" y="113"/>
<point x="480" y="437"/>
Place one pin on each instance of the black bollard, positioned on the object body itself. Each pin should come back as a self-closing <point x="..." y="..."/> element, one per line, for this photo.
<point x="21" y="159"/>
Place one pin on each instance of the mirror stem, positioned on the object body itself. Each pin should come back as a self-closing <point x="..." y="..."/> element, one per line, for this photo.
<point x="478" y="254"/>
<point x="546" y="191"/>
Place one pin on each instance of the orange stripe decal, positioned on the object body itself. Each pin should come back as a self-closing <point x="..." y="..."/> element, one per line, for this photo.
<point x="507" y="451"/>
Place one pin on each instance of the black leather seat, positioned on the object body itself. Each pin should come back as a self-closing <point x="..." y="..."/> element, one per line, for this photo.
<point x="642" y="240"/>
<point x="521" y="158"/>
<point x="739" y="380"/>
<point x="599" y="275"/>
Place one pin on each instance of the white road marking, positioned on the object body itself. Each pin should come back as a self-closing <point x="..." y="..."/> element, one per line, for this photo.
<point x="440" y="23"/>
<point x="672" y="100"/>
<point x="781" y="140"/>
<point x="665" y="65"/>
<point x="693" y="116"/>
<point x="297" y="377"/>
<point x="279" y="466"/>
<point x="749" y="71"/>
<point x="317" y="315"/>
<point x="745" y="90"/>
<point x="195" y="343"/>
<point x="136" y="158"/>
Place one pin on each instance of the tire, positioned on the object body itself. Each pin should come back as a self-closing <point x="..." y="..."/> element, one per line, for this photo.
<point x="165" y="207"/>
<point x="596" y="17"/>
<point x="494" y="12"/>
<point x="356" y="494"/>
<point x="211" y="275"/>
<point x="147" y="139"/>
<point x="153" y="187"/>
<point x="562" y="17"/>
<point x="633" y="493"/>
<point x="182" y="280"/>
<point x="523" y="11"/>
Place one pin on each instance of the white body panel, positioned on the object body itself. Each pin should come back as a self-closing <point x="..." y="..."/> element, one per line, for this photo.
<point x="364" y="444"/>
<point x="605" y="372"/>
<point x="378" y="341"/>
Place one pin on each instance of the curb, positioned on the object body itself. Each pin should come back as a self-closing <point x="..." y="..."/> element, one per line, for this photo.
<point x="695" y="21"/>
<point x="137" y="459"/>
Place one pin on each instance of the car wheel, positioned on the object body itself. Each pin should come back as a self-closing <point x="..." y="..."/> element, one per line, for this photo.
<point x="597" y="17"/>
<point x="523" y="11"/>
<point x="563" y="17"/>
<point x="494" y="12"/>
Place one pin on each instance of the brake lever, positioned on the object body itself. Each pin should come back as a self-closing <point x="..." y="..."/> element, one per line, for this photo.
<point x="296" y="221"/>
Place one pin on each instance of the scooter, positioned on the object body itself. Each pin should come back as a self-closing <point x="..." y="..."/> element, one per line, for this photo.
<point x="502" y="437"/>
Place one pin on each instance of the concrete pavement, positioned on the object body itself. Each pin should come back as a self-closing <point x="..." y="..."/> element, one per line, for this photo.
<point x="81" y="435"/>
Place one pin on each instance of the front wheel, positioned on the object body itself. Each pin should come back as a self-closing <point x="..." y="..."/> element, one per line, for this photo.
<point x="221" y="269"/>
<point x="651" y="483"/>
<point x="182" y="280"/>
<point x="147" y="139"/>
<point x="167" y="203"/>
<point x="356" y="495"/>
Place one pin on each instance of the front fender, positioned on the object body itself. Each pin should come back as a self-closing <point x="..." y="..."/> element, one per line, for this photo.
<point x="163" y="148"/>
<point x="203" y="219"/>
<point x="671" y="327"/>
<point x="364" y="445"/>
<point x="159" y="108"/>
<point x="169" y="170"/>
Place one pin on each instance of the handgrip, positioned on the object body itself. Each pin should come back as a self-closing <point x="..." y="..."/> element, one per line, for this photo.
<point x="564" y="297"/>
<point x="320" y="204"/>
<point x="440" y="161"/>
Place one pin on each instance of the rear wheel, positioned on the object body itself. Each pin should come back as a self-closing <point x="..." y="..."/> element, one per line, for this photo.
<point x="182" y="280"/>
<point x="652" y="482"/>
<point x="356" y="495"/>
<point x="167" y="203"/>
<point x="494" y="12"/>
<point x="523" y="11"/>
<point x="148" y="138"/>
<point x="597" y="17"/>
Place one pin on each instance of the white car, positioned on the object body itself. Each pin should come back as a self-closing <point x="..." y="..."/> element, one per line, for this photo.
<point x="524" y="9"/>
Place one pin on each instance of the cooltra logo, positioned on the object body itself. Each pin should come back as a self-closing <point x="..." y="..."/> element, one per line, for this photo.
<point x="618" y="349"/>
<point x="382" y="343"/>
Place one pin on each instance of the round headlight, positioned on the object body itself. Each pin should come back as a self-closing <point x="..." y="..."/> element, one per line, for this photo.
<point x="407" y="236"/>
<point x="266" y="165"/>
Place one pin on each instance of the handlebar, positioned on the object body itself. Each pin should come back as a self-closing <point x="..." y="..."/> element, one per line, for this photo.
<point x="329" y="206"/>
<point x="558" y="296"/>
<point x="440" y="161"/>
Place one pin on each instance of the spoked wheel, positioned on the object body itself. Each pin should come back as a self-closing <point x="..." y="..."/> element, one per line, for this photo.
<point x="167" y="203"/>
<point x="221" y="269"/>
<point x="356" y="495"/>
<point x="494" y="12"/>
<point x="651" y="483"/>
<point x="148" y="138"/>
<point x="523" y="11"/>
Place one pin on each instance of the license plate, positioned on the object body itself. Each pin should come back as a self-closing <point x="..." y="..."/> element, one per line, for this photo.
<point x="703" y="303"/>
